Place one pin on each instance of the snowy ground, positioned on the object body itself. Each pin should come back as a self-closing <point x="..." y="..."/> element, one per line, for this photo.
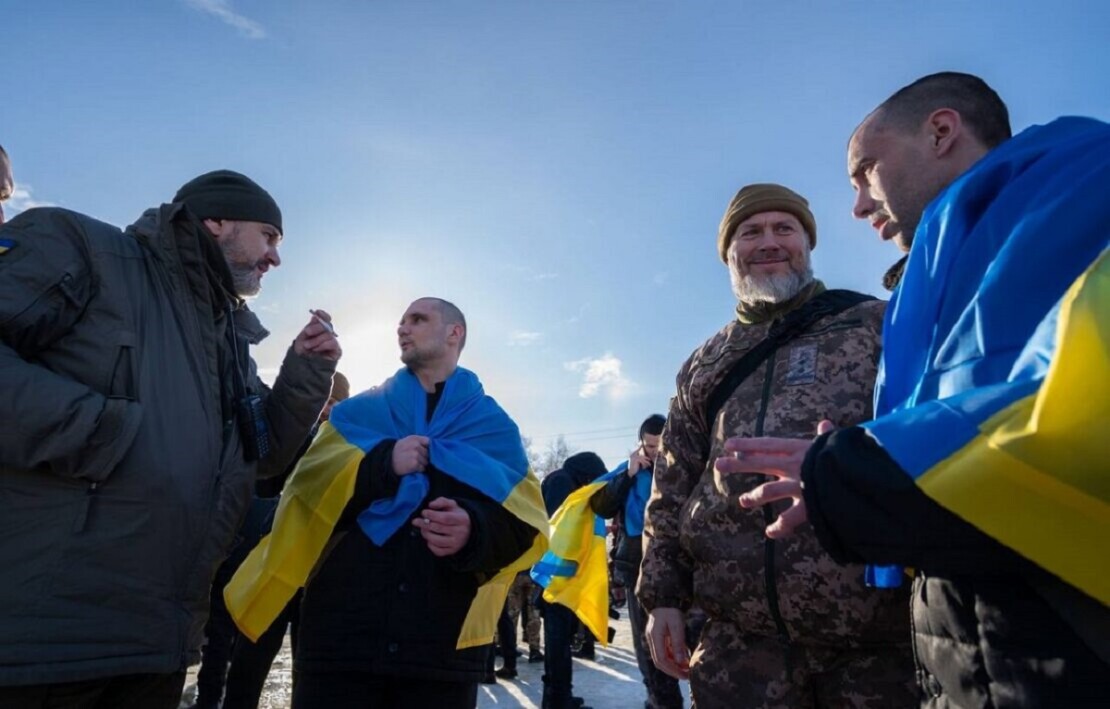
<point x="610" y="682"/>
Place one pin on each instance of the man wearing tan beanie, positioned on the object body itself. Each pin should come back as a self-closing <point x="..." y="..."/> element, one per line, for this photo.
<point x="787" y="625"/>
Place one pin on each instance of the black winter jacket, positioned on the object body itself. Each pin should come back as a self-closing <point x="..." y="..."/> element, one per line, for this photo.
<point x="989" y="628"/>
<point x="609" y="502"/>
<point x="397" y="610"/>
<point x="123" y="478"/>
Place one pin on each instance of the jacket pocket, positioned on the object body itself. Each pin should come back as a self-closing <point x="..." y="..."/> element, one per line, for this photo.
<point x="123" y="379"/>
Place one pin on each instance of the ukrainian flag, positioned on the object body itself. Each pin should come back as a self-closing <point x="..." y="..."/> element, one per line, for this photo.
<point x="575" y="569"/>
<point x="472" y="439"/>
<point x="994" y="386"/>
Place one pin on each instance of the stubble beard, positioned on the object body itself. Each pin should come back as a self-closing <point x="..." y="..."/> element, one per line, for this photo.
<point x="245" y="278"/>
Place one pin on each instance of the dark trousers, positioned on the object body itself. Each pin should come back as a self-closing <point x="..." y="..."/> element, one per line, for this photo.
<point x="219" y="637"/>
<point x="360" y="690"/>
<point x="146" y="691"/>
<point x="559" y="626"/>
<point x="250" y="662"/>
<point x="506" y="639"/>
<point x="220" y="631"/>
<point x="662" y="689"/>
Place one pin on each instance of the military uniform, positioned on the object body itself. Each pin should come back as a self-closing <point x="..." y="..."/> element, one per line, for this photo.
<point x="788" y="626"/>
<point x="519" y="601"/>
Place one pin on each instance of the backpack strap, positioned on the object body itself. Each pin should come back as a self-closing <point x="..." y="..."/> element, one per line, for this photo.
<point x="826" y="304"/>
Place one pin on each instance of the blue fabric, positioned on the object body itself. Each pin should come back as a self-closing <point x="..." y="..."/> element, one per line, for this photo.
<point x="992" y="257"/>
<point x="471" y="439"/>
<point x="971" y="328"/>
<point x="636" y="503"/>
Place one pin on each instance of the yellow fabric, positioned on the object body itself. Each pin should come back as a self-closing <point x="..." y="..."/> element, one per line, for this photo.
<point x="309" y="509"/>
<point x="1037" y="478"/>
<point x="310" y="506"/>
<point x="573" y="539"/>
<point x="526" y="503"/>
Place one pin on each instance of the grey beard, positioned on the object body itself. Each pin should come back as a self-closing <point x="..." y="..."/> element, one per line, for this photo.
<point x="245" y="280"/>
<point x="776" y="288"/>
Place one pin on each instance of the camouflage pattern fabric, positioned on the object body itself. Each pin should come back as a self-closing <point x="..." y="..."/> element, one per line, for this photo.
<point x="731" y="670"/>
<point x="702" y="549"/>
<point x="520" y="600"/>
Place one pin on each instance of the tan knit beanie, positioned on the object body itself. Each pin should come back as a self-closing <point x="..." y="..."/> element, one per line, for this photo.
<point x="340" y="387"/>
<point x="754" y="199"/>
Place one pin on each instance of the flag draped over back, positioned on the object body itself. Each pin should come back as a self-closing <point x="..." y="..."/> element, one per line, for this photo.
<point x="994" y="386"/>
<point x="470" y="438"/>
<point x="575" y="569"/>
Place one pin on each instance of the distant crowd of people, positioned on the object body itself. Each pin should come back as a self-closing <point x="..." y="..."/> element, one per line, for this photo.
<point x="850" y="502"/>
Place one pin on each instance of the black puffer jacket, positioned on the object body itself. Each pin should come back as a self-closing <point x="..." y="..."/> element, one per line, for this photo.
<point x="989" y="627"/>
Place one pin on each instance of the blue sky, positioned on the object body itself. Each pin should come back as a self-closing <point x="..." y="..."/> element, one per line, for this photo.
<point x="558" y="169"/>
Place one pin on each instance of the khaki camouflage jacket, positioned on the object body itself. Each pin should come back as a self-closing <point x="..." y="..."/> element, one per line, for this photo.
<point x="702" y="549"/>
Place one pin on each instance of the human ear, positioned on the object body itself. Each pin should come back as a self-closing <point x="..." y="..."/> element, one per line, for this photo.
<point x="944" y="126"/>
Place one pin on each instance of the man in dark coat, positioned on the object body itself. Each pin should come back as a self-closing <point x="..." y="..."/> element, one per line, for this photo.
<point x="964" y="475"/>
<point x="132" y="425"/>
<point x="382" y="616"/>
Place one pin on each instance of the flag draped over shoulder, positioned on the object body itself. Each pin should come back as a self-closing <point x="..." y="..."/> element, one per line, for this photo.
<point x="994" y="386"/>
<point x="574" y="571"/>
<point x="636" y="504"/>
<point x="471" y="439"/>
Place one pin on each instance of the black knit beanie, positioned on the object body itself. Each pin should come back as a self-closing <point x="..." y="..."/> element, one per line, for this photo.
<point x="584" y="467"/>
<point x="224" y="194"/>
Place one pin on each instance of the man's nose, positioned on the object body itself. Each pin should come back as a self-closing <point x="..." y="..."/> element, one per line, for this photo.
<point x="273" y="256"/>
<point x="767" y="240"/>
<point x="864" y="206"/>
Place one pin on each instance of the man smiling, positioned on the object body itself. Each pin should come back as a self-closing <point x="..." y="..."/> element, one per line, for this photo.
<point x="134" y="423"/>
<point x="787" y="626"/>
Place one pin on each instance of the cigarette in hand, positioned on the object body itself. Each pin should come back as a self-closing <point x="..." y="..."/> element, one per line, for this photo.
<point x="327" y="325"/>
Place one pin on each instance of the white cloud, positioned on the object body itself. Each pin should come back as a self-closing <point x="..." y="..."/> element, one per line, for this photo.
<point x="22" y="200"/>
<point x="222" y="10"/>
<point x="601" y="375"/>
<point x="522" y="338"/>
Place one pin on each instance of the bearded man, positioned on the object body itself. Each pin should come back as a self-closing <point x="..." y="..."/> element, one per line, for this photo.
<point x="134" y="424"/>
<point x="787" y="626"/>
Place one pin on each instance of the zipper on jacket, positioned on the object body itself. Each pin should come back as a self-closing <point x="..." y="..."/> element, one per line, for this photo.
<point x="83" y="514"/>
<point x="769" y="584"/>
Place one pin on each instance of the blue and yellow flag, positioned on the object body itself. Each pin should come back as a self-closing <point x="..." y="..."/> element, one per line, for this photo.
<point x="994" y="386"/>
<point x="471" y="439"/>
<point x="574" y="571"/>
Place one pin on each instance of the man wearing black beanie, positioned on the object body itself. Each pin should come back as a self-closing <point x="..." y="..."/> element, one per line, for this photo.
<point x="132" y="426"/>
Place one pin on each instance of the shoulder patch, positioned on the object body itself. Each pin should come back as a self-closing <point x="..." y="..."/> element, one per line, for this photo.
<point x="6" y="245"/>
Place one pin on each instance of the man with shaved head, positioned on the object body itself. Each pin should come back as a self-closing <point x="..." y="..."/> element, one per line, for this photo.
<point x="985" y="468"/>
<point x="439" y="512"/>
